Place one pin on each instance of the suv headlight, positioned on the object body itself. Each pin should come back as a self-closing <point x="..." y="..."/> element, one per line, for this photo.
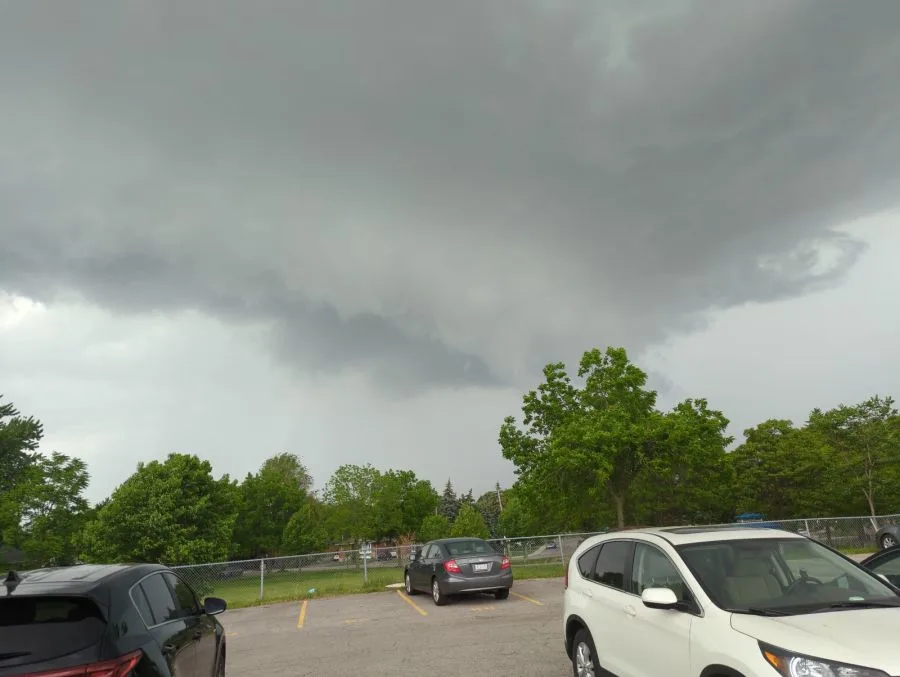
<point x="794" y="665"/>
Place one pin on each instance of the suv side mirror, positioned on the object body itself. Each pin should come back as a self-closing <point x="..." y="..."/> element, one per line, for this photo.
<point x="213" y="606"/>
<point x="659" y="598"/>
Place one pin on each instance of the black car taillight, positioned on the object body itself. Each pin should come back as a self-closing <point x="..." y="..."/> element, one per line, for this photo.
<point x="117" y="667"/>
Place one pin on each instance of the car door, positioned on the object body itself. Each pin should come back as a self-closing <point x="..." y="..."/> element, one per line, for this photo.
<point x="204" y="626"/>
<point x="667" y="631"/>
<point x="418" y="569"/>
<point x="174" y="634"/>
<point x="887" y="564"/>
<point x="606" y="600"/>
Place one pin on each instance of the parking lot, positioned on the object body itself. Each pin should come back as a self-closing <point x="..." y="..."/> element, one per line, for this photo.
<point x="388" y="633"/>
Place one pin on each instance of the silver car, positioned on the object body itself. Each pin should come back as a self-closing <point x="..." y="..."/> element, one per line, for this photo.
<point x="457" y="566"/>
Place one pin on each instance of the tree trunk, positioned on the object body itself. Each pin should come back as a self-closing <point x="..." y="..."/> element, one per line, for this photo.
<point x="620" y="509"/>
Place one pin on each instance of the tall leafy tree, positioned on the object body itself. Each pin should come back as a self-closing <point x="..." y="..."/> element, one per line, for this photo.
<point x="584" y="445"/>
<point x="351" y="494"/>
<point x="488" y="504"/>
<point x="866" y="445"/>
<point x="268" y="500"/>
<point x="305" y="530"/>
<point x="51" y="509"/>
<point x="432" y="528"/>
<point x="173" y="512"/>
<point x="469" y="522"/>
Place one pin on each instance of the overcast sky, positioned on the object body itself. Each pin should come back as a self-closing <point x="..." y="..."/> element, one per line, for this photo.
<point x="355" y="231"/>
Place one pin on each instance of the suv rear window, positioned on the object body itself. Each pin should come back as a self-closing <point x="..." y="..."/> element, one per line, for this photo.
<point x="35" y="629"/>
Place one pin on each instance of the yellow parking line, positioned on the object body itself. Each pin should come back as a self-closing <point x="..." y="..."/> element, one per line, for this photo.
<point x="301" y="619"/>
<point x="415" y="606"/>
<point x="527" y="599"/>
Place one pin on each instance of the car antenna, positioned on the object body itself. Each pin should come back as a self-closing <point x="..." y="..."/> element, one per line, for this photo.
<point x="11" y="582"/>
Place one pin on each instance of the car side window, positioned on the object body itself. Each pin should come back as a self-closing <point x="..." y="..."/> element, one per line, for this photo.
<point x="142" y="605"/>
<point x="653" y="569"/>
<point x="160" y="598"/>
<point x="426" y="552"/>
<point x="187" y="602"/>
<point x="587" y="561"/>
<point x="888" y="566"/>
<point x="435" y="551"/>
<point x="612" y="563"/>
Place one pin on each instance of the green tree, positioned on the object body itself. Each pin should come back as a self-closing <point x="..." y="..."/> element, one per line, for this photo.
<point x="432" y="528"/>
<point x="488" y="504"/>
<point x="448" y="506"/>
<point x="866" y="445"/>
<point x="401" y="502"/>
<point x="469" y="522"/>
<point x="268" y="500"/>
<point x="20" y="438"/>
<point x="51" y="510"/>
<point x="686" y="475"/>
<point x="515" y="518"/>
<point x="581" y="446"/>
<point x="172" y="512"/>
<point x="351" y="494"/>
<point x="305" y="531"/>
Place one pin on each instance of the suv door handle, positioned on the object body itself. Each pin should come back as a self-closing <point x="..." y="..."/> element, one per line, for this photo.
<point x="629" y="610"/>
<point x="588" y="592"/>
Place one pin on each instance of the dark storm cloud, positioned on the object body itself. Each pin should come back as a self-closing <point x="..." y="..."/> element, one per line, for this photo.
<point x="424" y="188"/>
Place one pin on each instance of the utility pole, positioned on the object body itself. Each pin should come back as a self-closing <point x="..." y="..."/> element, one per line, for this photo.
<point x="499" y="500"/>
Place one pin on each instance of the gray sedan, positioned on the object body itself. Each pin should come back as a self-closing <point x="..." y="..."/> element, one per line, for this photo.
<point x="456" y="566"/>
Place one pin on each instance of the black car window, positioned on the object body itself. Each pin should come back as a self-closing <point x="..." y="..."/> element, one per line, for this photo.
<point x="435" y="552"/>
<point x="142" y="605"/>
<point x="588" y="561"/>
<point x="43" y="628"/>
<point x="162" y="602"/>
<point x="187" y="602"/>
<point x="888" y="565"/>
<point x="612" y="564"/>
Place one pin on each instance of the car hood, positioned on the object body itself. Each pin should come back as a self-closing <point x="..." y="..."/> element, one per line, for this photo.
<point x="865" y="637"/>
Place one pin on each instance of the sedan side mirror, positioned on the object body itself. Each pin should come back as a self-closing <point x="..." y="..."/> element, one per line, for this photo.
<point x="213" y="606"/>
<point x="659" y="598"/>
<point x="413" y="555"/>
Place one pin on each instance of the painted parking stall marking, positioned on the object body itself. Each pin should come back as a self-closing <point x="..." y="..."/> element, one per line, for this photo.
<point x="415" y="606"/>
<point x="526" y="598"/>
<point x="301" y="619"/>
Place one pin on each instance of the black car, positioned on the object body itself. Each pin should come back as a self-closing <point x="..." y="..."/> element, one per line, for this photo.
<point x="885" y="563"/>
<point x="455" y="566"/>
<point x="137" y="620"/>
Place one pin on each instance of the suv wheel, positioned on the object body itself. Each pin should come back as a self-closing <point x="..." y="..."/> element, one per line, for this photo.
<point x="584" y="655"/>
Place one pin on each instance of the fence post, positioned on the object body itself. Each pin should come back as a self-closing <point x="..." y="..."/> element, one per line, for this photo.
<point x="562" y="557"/>
<point x="262" y="576"/>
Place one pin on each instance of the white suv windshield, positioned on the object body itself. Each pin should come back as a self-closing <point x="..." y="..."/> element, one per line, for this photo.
<point x="780" y="576"/>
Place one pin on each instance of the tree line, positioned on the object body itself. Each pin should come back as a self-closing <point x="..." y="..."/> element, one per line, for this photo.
<point x="591" y="450"/>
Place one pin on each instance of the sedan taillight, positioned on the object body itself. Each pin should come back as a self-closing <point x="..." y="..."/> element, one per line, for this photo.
<point x="504" y="563"/>
<point x="117" y="667"/>
<point x="451" y="567"/>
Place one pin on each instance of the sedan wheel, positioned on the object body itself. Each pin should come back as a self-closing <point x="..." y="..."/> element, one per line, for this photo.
<point x="408" y="585"/>
<point x="440" y="599"/>
<point x="583" y="658"/>
<point x="888" y="541"/>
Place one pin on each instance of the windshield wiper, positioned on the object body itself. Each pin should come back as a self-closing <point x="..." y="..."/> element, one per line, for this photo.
<point x="759" y="611"/>
<point x="861" y="604"/>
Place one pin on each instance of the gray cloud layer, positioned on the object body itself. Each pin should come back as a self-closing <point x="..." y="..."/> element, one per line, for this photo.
<point x="442" y="193"/>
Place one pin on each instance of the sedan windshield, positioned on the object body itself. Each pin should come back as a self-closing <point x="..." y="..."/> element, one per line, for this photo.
<point x="782" y="576"/>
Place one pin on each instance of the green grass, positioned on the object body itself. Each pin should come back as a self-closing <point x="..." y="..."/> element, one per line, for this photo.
<point x="291" y="585"/>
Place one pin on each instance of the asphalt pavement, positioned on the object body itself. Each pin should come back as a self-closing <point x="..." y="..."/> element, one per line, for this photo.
<point x="388" y="633"/>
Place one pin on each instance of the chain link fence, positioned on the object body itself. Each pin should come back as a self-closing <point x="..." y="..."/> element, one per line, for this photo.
<point x="294" y="577"/>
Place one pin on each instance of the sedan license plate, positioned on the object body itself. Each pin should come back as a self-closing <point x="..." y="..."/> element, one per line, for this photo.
<point x="481" y="567"/>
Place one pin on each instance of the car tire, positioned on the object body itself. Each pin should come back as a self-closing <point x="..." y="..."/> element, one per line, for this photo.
<point x="437" y="595"/>
<point x="888" y="541"/>
<point x="584" y="655"/>
<point x="502" y="594"/>
<point x="407" y="583"/>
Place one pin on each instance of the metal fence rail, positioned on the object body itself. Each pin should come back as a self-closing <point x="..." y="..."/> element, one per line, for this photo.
<point x="292" y="577"/>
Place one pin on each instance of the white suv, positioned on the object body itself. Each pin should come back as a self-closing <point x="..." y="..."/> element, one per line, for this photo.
<point x="734" y="602"/>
